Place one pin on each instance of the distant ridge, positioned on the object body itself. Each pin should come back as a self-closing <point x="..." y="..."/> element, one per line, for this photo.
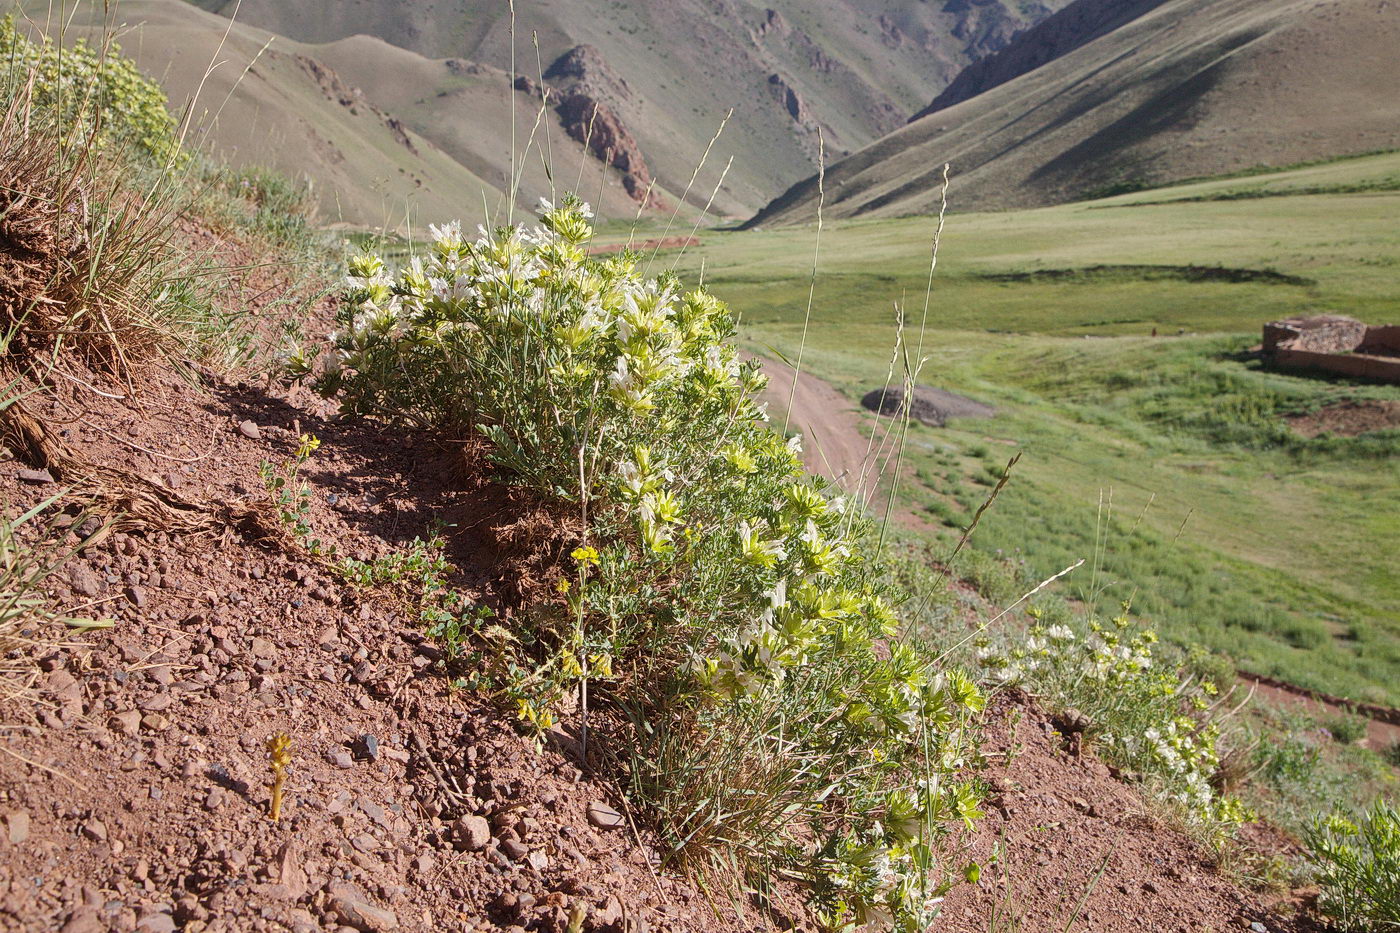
<point x="1081" y="22"/>
<point x="789" y="70"/>
<point x="1187" y="88"/>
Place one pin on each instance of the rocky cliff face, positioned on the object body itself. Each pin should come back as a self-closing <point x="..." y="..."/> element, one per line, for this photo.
<point x="595" y="124"/>
<point x="589" y="93"/>
<point x="787" y="95"/>
<point x="1016" y="54"/>
<point x="987" y="26"/>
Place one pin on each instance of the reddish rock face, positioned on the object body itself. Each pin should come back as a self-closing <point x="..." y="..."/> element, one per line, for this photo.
<point x="589" y="93"/>
<point x="595" y="124"/>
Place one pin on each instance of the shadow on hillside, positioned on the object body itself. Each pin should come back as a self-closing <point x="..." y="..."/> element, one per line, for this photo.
<point x="388" y="485"/>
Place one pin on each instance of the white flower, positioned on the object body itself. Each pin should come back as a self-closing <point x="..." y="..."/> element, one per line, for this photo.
<point x="622" y="378"/>
<point x="448" y="235"/>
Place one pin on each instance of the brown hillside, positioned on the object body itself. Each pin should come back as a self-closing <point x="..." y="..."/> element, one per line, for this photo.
<point x="1189" y="88"/>
<point x="787" y="71"/>
<point x="387" y="137"/>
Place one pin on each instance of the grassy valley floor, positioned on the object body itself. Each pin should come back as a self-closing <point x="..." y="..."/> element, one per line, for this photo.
<point x="1226" y="527"/>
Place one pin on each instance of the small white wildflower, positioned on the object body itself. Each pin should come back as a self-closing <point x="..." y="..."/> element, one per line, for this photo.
<point x="777" y="596"/>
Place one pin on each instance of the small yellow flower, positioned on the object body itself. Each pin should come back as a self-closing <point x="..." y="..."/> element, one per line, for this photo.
<point x="563" y="586"/>
<point x="585" y="555"/>
<point x="307" y="445"/>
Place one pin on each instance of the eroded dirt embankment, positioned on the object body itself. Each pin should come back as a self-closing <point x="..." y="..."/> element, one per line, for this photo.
<point x="134" y="784"/>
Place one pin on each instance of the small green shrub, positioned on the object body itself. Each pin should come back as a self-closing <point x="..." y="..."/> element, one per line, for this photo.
<point x="421" y="565"/>
<point x="1358" y="868"/>
<point x="1289" y="761"/>
<point x="1146" y="716"/>
<point x="993" y="575"/>
<point x="718" y="603"/>
<point x="98" y="96"/>
<point x="1346" y="728"/>
<point x="291" y="496"/>
<point x="278" y="209"/>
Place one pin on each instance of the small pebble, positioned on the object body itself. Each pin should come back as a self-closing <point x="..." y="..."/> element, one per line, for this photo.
<point x="368" y="747"/>
<point x="603" y="816"/>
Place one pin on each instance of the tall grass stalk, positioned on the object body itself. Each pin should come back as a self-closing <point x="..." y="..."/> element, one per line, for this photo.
<point x="812" y="281"/>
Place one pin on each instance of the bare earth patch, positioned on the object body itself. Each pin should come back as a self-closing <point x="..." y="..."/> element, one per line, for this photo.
<point x="1075" y="839"/>
<point x="1348" y="419"/>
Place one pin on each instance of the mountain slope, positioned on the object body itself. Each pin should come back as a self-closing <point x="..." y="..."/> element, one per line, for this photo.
<point x="1189" y="88"/>
<point x="669" y="71"/>
<point x="330" y="113"/>
<point x="1081" y="22"/>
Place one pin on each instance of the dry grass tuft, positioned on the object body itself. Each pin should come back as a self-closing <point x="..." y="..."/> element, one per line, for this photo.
<point x="82" y="256"/>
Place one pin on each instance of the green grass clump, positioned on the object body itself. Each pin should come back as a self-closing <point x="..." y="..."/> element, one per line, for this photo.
<point x="1358" y="867"/>
<point x="262" y="205"/>
<point x="94" y="190"/>
<point x="717" y="613"/>
<point x="1346" y="729"/>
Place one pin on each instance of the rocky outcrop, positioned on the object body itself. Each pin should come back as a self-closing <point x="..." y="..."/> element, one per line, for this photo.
<point x="890" y="33"/>
<point x="330" y="83"/>
<point x="987" y="26"/>
<point x="772" y="22"/>
<point x="595" y="125"/>
<point x="461" y="66"/>
<point x="787" y="96"/>
<point x="335" y="88"/>
<point x="590" y="95"/>
<point x="584" y="66"/>
<point x="1077" y="24"/>
<point x="400" y="132"/>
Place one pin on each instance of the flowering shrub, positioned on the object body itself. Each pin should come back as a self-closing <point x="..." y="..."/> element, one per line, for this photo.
<point x="718" y="600"/>
<point x="86" y="89"/>
<point x="1358" y="868"/>
<point x="1146" y="716"/>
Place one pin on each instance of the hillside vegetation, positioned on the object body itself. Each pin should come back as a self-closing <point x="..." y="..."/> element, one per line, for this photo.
<point x="1187" y="88"/>
<point x="1258" y="542"/>
<point x="470" y="582"/>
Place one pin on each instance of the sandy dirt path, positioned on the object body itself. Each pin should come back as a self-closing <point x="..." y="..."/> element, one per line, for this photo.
<point x="832" y="442"/>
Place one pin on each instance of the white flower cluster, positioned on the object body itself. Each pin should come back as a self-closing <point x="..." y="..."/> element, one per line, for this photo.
<point x="1145" y="716"/>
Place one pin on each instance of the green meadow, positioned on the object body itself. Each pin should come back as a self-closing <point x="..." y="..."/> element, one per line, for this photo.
<point x="1165" y="460"/>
